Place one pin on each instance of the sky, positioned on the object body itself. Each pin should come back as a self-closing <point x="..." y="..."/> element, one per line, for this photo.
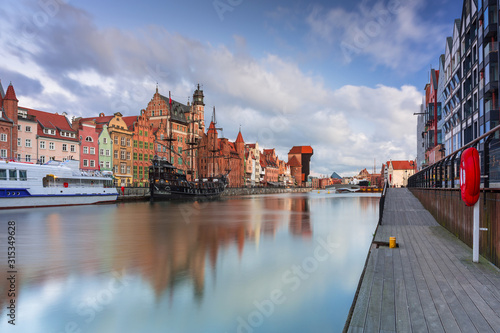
<point x="344" y="77"/>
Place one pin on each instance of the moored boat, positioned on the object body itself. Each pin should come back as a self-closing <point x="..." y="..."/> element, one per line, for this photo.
<point x="52" y="184"/>
<point x="165" y="183"/>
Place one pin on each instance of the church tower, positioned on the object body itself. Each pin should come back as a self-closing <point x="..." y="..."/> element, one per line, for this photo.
<point x="199" y="108"/>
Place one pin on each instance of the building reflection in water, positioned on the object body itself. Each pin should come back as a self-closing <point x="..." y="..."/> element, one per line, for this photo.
<point x="167" y="244"/>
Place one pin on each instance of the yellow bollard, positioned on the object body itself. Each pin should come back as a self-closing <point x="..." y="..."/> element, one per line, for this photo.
<point x="392" y="242"/>
<point x="328" y="192"/>
<point x="318" y="192"/>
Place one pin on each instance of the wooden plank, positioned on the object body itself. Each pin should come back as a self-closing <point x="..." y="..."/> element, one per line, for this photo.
<point x="358" y="319"/>
<point x="375" y="304"/>
<point x="388" y="315"/>
<point x="400" y="300"/>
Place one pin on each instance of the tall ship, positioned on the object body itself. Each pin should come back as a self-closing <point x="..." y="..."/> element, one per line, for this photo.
<point x="165" y="182"/>
<point x="24" y="185"/>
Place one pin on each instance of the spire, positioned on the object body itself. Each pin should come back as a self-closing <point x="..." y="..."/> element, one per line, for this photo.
<point x="239" y="138"/>
<point x="10" y="94"/>
<point x="211" y="128"/>
<point x="2" y="92"/>
<point x="156" y="87"/>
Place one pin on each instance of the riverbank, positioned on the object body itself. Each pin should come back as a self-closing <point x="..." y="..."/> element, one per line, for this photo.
<point x="142" y="193"/>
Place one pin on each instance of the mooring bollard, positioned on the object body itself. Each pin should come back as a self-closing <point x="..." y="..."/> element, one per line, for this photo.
<point x="392" y="242"/>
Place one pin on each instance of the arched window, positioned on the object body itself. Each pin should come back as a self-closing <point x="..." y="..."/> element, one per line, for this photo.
<point x="89" y="139"/>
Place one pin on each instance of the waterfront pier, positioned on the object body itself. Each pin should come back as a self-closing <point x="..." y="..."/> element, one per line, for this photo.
<point x="426" y="284"/>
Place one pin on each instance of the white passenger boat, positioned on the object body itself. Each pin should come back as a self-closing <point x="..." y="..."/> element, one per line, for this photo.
<point x="52" y="184"/>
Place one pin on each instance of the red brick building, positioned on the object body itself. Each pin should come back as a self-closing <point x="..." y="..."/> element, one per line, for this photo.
<point x="89" y="147"/>
<point x="299" y="159"/>
<point x="8" y="123"/>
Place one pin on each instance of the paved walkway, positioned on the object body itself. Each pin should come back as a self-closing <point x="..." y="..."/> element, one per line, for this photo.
<point x="429" y="283"/>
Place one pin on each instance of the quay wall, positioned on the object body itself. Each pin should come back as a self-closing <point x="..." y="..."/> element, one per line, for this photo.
<point x="142" y="193"/>
<point x="448" y="209"/>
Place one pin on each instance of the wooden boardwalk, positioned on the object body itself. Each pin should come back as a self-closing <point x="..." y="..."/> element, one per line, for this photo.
<point x="429" y="283"/>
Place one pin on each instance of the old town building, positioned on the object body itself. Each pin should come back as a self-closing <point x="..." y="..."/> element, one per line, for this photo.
<point x="8" y="123"/>
<point x="122" y="150"/>
<point x="299" y="158"/>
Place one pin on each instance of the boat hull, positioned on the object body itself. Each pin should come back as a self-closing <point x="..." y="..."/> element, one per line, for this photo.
<point x="55" y="200"/>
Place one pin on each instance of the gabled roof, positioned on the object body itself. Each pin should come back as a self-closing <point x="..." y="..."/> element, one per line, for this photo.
<point x="251" y="145"/>
<point x="301" y="150"/>
<point x="52" y="121"/>
<point x="294" y="162"/>
<point x="129" y="121"/>
<point x="178" y="110"/>
<point x="10" y="94"/>
<point x="99" y="120"/>
<point x="403" y="165"/>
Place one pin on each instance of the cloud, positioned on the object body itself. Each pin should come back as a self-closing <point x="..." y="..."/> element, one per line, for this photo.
<point x="85" y="69"/>
<point x="392" y="33"/>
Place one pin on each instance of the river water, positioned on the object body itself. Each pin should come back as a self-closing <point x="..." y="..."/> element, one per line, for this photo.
<point x="268" y="263"/>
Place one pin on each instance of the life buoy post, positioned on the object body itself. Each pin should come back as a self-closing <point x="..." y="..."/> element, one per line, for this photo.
<point x="470" y="182"/>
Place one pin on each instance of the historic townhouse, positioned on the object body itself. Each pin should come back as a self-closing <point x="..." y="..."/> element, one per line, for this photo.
<point x="143" y="147"/>
<point x="89" y="145"/>
<point x="271" y="164"/>
<point x="27" y="134"/>
<point x="254" y="149"/>
<point x="8" y="123"/>
<point x="56" y="139"/>
<point x="121" y="137"/>
<point x="105" y="148"/>
<point x="178" y="129"/>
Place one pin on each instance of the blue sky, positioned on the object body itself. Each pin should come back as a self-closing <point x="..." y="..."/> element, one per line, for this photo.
<point x="343" y="77"/>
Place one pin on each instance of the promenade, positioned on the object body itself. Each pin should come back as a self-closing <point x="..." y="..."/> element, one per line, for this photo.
<point x="429" y="283"/>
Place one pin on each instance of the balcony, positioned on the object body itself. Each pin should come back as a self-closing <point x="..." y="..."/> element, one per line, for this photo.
<point x="490" y="88"/>
<point x="490" y="30"/>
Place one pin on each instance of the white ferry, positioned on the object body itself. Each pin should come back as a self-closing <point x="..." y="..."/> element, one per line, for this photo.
<point x="52" y="184"/>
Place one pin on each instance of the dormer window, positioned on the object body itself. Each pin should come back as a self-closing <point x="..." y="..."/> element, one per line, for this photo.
<point x="49" y="131"/>
<point x="89" y="139"/>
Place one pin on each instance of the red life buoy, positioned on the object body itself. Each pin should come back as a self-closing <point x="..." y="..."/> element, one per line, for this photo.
<point x="470" y="176"/>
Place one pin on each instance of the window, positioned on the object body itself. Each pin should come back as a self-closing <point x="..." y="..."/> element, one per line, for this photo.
<point x="42" y="159"/>
<point x="19" y="156"/>
<point x="145" y="133"/>
<point x="3" y="174"/>
<point x="101" y="164"/>
<point x="108" y="152"/>
<point x="140" y="157"/>
<point x="105" y="140"/>
<point x="92" y="150"/>
<point x="180" y="150"/>
<point x="135" y="156"/>
<point x="42" y="144"/>
<point x="89" y="139"/>
<point x="72" y="148"/>
<point x="123" y="141"/>
<point x="179" y="160"/>
<point x="28" y="128"/>
<point x="128" y="169"/>
<point x="12" y="174"/>
<point x="3" y="137"/>
<point x="108" y="165"/>
<point x="140" y="133"/>
<point x="28" y="158"/>
<point x="135" y="171"/>
<point x="140" y="172"/>
<point x="85" y="150"/>
<point x="135" y="143"/>
<point x="85" y="163"/>
<point x="19" y="127"/>
<point x="115" y="155"/>
<point x="101" y="152"/>
<point x="122" y="154"/>
<point x="128" y="155"/>
<point x="116" y="140"/>
<point x="65" y="147"/>
<point x="92" y="163"/>
<point x="128" y="142"/>
<point x="49" y="131"/>
<point x="27" y="143"/>
<point x="140" y="144"/>
<point x="123" y="168"/>
<point x="52" y="146"/>
<point x="19" y="142"/>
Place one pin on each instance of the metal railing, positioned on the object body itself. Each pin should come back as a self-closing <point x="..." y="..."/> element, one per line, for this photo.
<point x="446" y="172"/>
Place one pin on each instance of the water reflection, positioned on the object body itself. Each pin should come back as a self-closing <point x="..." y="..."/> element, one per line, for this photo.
<point x="188" y="267"/>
